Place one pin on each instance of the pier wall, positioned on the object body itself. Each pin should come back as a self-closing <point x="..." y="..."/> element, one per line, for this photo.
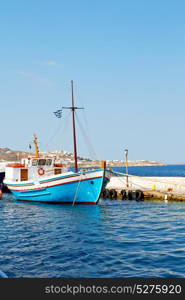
<point x="167" y="188"/>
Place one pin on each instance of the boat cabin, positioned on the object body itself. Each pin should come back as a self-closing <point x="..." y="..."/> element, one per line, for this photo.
<point x="33" y="167"/>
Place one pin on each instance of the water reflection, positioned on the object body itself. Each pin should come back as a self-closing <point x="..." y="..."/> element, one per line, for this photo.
<point x="111" y="239"/>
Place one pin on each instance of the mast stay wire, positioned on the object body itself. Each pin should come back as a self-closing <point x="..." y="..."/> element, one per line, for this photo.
<point x="86" y="133"/>
<point x="87" y="139"/>
<point x="64" y="129"/>
<point x="89" y="133"/>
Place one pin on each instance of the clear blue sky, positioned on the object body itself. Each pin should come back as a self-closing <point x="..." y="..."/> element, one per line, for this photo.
<point x="127" y="60"/>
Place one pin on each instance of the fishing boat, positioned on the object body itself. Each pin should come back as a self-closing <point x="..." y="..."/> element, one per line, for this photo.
<point x="45" y="179"/>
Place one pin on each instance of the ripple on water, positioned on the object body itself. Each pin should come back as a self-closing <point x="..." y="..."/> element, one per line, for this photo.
<point x="113" y="239"/>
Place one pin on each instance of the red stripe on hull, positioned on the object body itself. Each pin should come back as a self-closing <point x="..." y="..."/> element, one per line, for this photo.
<point x="59" y="179"/>
<point x="29" y="184"/>
<point x="41" y="188"/>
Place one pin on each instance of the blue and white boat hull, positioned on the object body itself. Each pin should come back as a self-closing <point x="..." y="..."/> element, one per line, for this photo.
<point x="76" y="188"/>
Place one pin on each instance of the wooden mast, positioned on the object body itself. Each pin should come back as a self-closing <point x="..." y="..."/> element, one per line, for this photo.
<point x="73" y="108"/>
<point x="74" y="129"/>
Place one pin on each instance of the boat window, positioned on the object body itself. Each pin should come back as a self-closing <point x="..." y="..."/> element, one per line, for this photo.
<point x="48" y="162"/>
<point x="41" y="162"/>
<point x="34" y="162"/>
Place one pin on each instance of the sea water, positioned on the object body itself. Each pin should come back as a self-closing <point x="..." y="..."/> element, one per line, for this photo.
<point x="161" y="171"/>
<point x="112" y="239"/>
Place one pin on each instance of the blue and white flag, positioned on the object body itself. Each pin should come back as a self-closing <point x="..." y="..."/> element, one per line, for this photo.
<point x="58" y="113"/>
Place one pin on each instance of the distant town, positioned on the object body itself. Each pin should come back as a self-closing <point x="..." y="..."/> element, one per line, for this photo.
<point x="7" y="154"/>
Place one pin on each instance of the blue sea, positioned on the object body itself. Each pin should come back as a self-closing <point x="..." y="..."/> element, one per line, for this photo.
<point x="161" y="171"/>
<point x="112" y="239"/>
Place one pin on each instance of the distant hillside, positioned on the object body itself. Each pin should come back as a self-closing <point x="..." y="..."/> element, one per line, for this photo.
<point x="7" y="154"/>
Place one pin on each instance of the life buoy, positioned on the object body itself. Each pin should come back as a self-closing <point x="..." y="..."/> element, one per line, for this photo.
<point x="41" y="171"/>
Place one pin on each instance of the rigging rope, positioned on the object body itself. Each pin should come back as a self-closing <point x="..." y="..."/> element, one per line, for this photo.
<point x="77" y="189"/>
<point x="87" y="139"/>
<point x="58" y="130"/>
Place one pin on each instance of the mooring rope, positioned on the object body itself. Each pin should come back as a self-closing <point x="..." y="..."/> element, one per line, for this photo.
<point x="87" y="139"/>
<point x="148" y="179"/>
<point x="142" y="187"/>
<point x="76" y="194"/>
<point x="129" y="187"/>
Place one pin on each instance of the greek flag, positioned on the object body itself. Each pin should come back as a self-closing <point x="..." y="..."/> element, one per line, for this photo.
<point x="58" y="113"/>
